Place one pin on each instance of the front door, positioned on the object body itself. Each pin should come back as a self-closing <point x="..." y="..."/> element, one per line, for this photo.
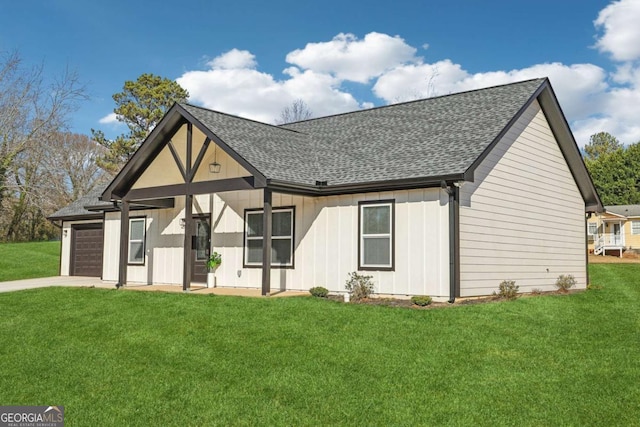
<point x="617" y="240"/>
<point x="200" y="248"/>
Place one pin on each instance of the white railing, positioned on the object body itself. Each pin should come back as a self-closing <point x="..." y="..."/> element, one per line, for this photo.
<point x="609" y="239"/>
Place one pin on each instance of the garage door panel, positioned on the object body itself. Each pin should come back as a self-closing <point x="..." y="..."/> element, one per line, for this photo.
<point x="87" y="250"/>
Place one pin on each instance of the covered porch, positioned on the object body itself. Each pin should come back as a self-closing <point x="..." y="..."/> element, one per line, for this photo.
<point x="181" y="160"/>
<point x="610" y="237"/>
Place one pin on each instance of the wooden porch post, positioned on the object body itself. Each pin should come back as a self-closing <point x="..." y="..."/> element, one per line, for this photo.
<point x="266" y="243"/>
<point x="124" y="244"/>
<point x="188" y="226"/>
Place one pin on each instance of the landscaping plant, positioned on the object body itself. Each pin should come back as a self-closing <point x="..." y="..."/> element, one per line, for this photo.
<point x="359" y="286"/>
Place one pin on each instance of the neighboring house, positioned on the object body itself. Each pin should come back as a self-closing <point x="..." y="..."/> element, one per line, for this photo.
<point x="615" y="230"/>
<point x="446" y="196"/>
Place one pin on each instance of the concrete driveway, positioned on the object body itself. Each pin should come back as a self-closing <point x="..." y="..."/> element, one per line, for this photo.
<point x="43" y="282"/>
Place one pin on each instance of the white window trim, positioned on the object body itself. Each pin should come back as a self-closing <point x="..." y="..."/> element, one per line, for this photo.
<point x="362" y="236"/>
<point x="594" y="225"/>
<point x="638" y="231"/>
<point x="143" y="241"/>
<point x="247" y="237"/>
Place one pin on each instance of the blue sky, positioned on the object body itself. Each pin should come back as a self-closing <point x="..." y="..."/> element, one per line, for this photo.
<point x="253" y="58"/>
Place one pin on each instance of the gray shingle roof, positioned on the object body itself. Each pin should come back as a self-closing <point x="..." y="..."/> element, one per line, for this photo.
<point x="624" y="210"/>
<point x="420" y="139"/>
<point x="276" y="152"/>
<point x="77" y="208"/>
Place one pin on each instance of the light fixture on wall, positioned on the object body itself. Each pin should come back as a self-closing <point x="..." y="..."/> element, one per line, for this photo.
<point x="215" y="166"/>
<point x="182" y="222"/>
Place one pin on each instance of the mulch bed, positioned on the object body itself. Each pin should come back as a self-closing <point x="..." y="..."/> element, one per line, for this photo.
<point x="406" y="303"/>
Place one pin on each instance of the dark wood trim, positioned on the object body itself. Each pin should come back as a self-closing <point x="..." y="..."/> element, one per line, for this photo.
<point x="176" y="158"/>
<point x="361" y="203"/>
<point x="124" y="244"/>
<point x="202" y="187"/>
<point x="456" y="241"/>
<point x="199" y="159"/>
<point x="363" y="187"/>
<point x="266" y="242"/>
<point x="104" y="215"/>
<point x="154" y="204"/>
<point x="188" y="225"/>
<point x="274" y="209"/>
<point x="147" y="152"/>
<point x="144" y="242"/>
<point x="259" y="177"/>
<point x="62" y="254"/>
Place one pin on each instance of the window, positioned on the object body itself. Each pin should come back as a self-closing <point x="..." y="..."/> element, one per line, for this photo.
<point x="137" y="228"/>
<point x="593" y="229"/>
<point x="635" y="227"/>
<point x="376" y="224"/>
<point x="281" y="237"/>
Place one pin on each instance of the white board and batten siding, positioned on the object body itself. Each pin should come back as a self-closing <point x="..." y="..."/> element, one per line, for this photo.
<point x="326" y="242"/>
<point x="164" y="242"/>
<point x="523" y="218"/>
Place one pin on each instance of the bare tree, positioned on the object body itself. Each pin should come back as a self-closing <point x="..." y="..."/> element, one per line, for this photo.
<point x="77" y="172"/>
<point x="31" y="109"/>
<point x="297" y="111"/>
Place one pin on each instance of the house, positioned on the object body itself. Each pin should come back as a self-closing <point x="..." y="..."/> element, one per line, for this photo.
<point x="615" y="230"/>
<point x="446" y="196"/>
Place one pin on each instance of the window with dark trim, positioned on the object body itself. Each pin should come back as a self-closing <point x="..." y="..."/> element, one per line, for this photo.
<point x="281" y="237"/>
<point x="137" y="232"/>
<point x="376" y="225"/>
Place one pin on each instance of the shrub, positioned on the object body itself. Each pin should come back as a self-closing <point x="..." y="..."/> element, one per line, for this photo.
<point x="508" y="289"/>
<point x="319" y="292"/>
<point x="536" y="291"/>
<point x="359" y="287"/>
<point x="565" y="282"/>
<point x="421" y="300"/>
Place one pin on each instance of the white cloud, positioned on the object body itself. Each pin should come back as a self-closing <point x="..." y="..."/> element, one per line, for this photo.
<point x="234" y="59"/>
<point x="592" y="99"/>
<point x="579" y="87"/>
<point x="620" y="23"/>
<point x="253" y="94"/>
<point x="110" y="118"/>
<point x="349" y="58"/>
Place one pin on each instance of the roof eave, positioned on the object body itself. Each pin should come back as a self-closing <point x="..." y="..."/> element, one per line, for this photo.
<point x="365" y="187"/>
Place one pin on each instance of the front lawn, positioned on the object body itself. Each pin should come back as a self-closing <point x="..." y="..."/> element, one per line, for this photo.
<point x="28" y="260"/>
<point x="144" y="358"/>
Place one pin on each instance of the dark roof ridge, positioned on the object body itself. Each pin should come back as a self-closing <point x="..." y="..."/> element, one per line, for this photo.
<point x="239" y="117"/>
<point x="416" y="101"/>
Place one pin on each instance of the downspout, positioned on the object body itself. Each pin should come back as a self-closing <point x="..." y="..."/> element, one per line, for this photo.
<point x="454" y="238"/>
<point x="586" y="244"/>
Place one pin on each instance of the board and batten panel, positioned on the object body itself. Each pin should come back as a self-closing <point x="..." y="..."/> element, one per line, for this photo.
<point x="523" y="218"/>
<point x="326" y="242"/>
<point x="164" y="171"/>
<point x="65" y="250"/>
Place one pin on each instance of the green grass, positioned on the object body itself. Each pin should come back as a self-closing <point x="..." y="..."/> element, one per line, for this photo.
<point x="29" y="260"/>
<point x="142" y="358"/>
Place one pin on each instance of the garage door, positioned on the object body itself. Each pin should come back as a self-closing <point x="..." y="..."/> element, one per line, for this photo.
<point x="86" y="250"/>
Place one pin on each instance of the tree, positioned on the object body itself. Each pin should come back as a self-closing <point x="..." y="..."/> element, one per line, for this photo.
<point x="31" y="108"/>
<point x="140" y="105"/>
<point x="614" y="169"/>
<point x="601" y="143"/>
<point x="297" y="111"/>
